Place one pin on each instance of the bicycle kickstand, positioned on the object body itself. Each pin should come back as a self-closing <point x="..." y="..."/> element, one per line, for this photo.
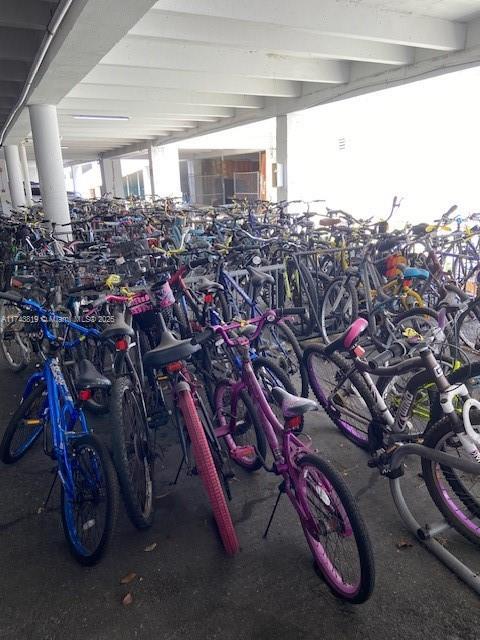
<point x="281" y="490"/>
<point x="47" y="499"/>
<point x="178" y="472"/>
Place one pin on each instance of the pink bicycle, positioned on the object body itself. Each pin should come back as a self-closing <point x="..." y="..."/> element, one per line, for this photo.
<point x="332" y="524"/>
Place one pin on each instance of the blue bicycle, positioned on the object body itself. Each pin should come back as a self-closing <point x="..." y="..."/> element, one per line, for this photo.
<point x="89" y="493"/>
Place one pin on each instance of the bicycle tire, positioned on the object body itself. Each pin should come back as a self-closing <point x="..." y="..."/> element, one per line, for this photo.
<point x="6" y="455"/>
<point x="346" y="320"/>
<point x="208" y="472"/>
<point x="251" y="420"/>
<point x="357" y="384"/>
<point x="79" y="552"/>
<point x="12" y="363"/>
<point x="454" y="514"/>
<point x="138" y="500"/>
<point x="343" y="519"/>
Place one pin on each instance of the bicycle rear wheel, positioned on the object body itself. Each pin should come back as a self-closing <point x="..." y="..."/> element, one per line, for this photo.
<point x="132" y="453"/>
<point x="335" y="530"/>
<point x="208" y="472"/>
<point x="90" y="512"/>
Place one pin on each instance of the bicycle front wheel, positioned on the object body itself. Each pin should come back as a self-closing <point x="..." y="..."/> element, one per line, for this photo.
<point x="208" y="472"/>
<point x="89" y="512"/>
<point x="335" y="530"/>
<point x="25" y="426"/>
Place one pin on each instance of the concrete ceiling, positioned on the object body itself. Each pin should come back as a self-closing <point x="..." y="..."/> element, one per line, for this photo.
<point x="179" y="68"/>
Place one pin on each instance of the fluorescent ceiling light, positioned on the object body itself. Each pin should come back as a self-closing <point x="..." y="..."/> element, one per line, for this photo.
<point x="88" y="117"/>
<point x="63" y="147"/>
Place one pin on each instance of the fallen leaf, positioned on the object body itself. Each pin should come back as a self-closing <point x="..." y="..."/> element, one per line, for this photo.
<point x="130" y="577"/>
<point x="127" y="599"/>
<point x="404" y="544"/>
<point x="151" y="547"/>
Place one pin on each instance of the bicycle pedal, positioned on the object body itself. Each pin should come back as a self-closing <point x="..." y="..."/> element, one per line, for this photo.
<point x="158" y="419"/>
<point x="242" y="452"/>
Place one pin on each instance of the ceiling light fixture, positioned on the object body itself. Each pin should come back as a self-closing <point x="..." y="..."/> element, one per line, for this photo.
<point x="88" y="117"/>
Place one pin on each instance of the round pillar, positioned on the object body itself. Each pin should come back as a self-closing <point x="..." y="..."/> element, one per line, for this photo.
<point x="15" y="178"/>
<point x="26" y="174"/>
<point x="48" y="155"/>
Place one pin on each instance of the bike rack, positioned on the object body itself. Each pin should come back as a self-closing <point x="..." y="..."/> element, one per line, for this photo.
<point x="426" y="534"/>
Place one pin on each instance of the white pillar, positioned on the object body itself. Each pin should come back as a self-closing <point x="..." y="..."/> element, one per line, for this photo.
<point x="5" y="198"/>
<point x="25" y="174"/>
<point x="165" y="170"/>
<point x="112" y="179"/>
<point x="76" y="177"/>
<point x="48" y="154"/>
<point x="282" y="158"/>
<point x="15" y="178"/>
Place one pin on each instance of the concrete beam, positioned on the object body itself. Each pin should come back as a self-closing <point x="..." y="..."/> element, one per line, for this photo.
<point x="181" y="111"/>
<point x="18" y="44"/>
<point x="191" y="81"/>
<point x="13" y="71"/>
<point x="138" y="51"/>
<point x="27" y="14"/>
<point x="154" y="94"/>
<point x="336" y="18"/>
<point x="267" y="37"/>
<point x="10" y="89"/>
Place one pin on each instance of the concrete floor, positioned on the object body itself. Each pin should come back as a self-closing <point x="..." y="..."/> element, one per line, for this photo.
<point x="186" y="587"/>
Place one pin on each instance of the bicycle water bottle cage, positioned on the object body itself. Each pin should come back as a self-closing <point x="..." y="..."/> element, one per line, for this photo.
<point x="259" y="278"/>
<point x="347" y="339"/>
<point x="292" y="405"/>
<point x="169" y="350"/>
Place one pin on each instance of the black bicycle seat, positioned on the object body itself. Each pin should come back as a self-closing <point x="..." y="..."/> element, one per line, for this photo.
<point x="292" y="405"/>
<point x="89" y="377"/>
<point x="206" y="285"/>
<point x="169" y="350"/>
<point x="259" y="278"/>
<point x="118" y="328"/>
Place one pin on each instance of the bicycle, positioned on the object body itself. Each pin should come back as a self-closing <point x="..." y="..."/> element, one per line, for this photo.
<point x="89" y="492"/>
<point x="327" y="511"/>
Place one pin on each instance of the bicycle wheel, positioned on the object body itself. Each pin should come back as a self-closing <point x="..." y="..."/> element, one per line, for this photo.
<point x="339" y="308"/>
<point x="455" y="493"/>
<point x="277" y="341"/>
<point x="132" y="454"/>
<point x="467" y="326"/>
<point x="208" y="472"/>
<point x="13" y="340"/>
<point x="303" y="294"/>
<point x="89" y="512"/>
<point x="335" y="530"/>
<point x="25" y="426"/>
<point x="342" y="392"/>
<point x="245" y="429"/>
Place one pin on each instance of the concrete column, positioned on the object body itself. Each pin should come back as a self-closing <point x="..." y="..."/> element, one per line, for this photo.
<point x="5" y="198"/>
<point x="112" y="180"/>
<point x="282" y="158"/>
<point x="15" y="177"/>
<point x="25" y="174"/>
<point x="165" y="171"/>
<point x="48" y="155"/>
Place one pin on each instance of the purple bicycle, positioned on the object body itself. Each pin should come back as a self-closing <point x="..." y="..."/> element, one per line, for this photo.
<point x="332" y="524"/>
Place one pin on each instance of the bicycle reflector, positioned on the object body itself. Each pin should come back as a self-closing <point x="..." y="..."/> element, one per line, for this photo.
<point x="359" y="351"/>
<point x="121" y="344"/>
<point x="294" y="422"/>
<point x="85" y="394"/>
<point x="208" y="298"/>
<point x="174" y="367"/>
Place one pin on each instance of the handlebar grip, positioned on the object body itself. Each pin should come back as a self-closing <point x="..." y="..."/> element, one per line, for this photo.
<point x="395" y="350"/>
<point x="290" y="311"/>
<point x="452" y="209"/>
<point x="11" y="296"/>
<point x="203" y="337"/>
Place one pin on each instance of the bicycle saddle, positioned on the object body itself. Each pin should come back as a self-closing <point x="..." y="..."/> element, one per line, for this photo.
<point x="89" y="377"/>
<point x="206" y="285"/>
<point x="118" y="328"/>
<point x="169" y="350"/>
<point x="345" y="340"/>
<point x="292" y="405"/>
<point x="259" y="278"/>
<point x="414" y="272"/>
